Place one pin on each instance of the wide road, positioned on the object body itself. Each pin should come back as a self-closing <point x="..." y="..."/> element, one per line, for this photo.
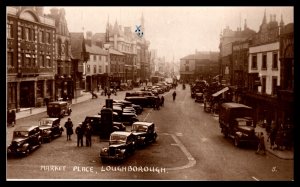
<point x="190" y="146"/>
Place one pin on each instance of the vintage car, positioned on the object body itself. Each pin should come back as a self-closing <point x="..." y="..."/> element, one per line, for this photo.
<point x="144" y="132"/>
<point x="58" y="109"/>
<point x="25" y="139"/>
<point x="126" y="118"/>
<point x="198" y="87"/>
<point x="123" y="104"/>
<point x="146" y="101"/>
<point x="95" y="122"/>
<point x="50" y="128"/>
<point x="199" y="97"/>
<point x="121" y="145"/>
<point x="236" y="122"/>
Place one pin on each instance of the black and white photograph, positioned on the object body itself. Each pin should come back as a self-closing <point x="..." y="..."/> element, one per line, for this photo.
<point x="157" y="93"/>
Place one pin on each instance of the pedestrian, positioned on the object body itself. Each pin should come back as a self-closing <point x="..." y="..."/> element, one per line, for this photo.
<point x="174" y="95"/>
<point x="261" y="145"/>
<point x="88" y="135"/>
<point x="79" y="131"/>
<point x="69" y="128"/>
<point x="157" y="103"/>
<point x="105" y="91"/>
<point x="13" y="117"/>
<point x="162" y="100"/>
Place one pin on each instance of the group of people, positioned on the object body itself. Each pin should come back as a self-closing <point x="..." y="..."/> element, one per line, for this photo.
<point x="80" y="131"/>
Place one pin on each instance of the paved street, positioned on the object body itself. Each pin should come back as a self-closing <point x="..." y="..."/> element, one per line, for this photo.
<point x="190" y="146"/>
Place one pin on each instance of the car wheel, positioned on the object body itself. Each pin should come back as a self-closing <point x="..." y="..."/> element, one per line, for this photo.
<point x="225" y="133"/>
<point x="40" y="142"/>
<point x="236" y="142"/>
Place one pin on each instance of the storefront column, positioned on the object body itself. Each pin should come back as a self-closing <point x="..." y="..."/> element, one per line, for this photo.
<point x="18" y="96"/>
<point x="45" y="89"/>
<point x="34" y="92"/>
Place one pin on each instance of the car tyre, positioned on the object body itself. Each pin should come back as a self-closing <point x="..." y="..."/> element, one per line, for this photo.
<point x="27" y="152"/>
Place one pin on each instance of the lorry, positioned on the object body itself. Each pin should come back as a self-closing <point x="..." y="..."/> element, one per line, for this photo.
<point x="236" y="122"/>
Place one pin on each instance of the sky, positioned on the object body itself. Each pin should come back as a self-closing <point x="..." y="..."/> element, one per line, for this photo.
<point x="174" y="31"/>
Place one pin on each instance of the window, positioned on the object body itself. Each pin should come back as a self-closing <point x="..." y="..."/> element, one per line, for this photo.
<point x="10" y="59"/>
<point x="275" y="61"/>
<point x="95" y="69"/>
<point x="88" y="68"/>
<point x="59" y="46"/>
<point x="42" y="61"/>
<point x="27" y="34"/>
<point x="48" y="41"/>
<point x="32" y="35"/>
<point x="10" y="31"/>
<point x="263" y="86"/>
<point x="95" y="57"/>
<point x="254" y="62"/>
<point x="67" y="48"/>
<point x="100" y="69"/>
<point x="187" y="68"/>
<point x="41" y="37"/>
<point x="48" y="61"/>
<point x="274" y="85"/>
<point x="264" y="62"/>
<point x="27" y="60"/>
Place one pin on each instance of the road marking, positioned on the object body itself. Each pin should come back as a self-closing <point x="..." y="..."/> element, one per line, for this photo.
<point x="255" y="178"/>
<point x="178" y="134"/>
<point x="148" y="114"/>
<point x="190" y="158"/>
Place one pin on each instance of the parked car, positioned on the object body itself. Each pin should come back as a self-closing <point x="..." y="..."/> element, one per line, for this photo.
<point x="121" y="145"/>
<point x="50" y="128"/>
<point x="25" y="140"/>
<point x="58" y="109"/>
<point x="199" y="97"/>
<point x="236" y="122"/>
<point x="95" y="122"/>
<point x="147" y="101"/>
<point x="144" y="132"/>
<point x="126" y="118"/>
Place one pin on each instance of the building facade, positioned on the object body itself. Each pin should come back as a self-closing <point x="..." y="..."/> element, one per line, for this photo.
<point x="201" y="65"/>
<point x="64" y="83"/>
<point x="30" y="57"/>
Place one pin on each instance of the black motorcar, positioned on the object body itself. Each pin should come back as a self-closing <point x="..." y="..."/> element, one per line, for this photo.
<point x="25" y="139"/>
<point x="50" y="128"/>
<point x="58" y="109"/>
<point x="121" y="145"/>
<point x="144" y="132"/>
<point x="146" y="101"/>
<point x="95" y="122"/>
<point x="199" y="97"/>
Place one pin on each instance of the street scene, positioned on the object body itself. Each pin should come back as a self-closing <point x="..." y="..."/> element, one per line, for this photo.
<point x="128" y="93"/>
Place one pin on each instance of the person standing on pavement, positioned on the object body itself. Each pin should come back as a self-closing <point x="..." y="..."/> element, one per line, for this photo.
<point x="79" y="131"/>
<point x="261" y="145"/>
<point x="174" y="95"/>
<point x="88" y="135"/>
<point x="162" y="100"/>
<point x="69" y="128"/>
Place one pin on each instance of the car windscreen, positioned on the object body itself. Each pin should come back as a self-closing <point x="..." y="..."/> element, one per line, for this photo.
<point x="117" y="138"/>
<point x="21" y="134"/>
<point x="139" y="128"/>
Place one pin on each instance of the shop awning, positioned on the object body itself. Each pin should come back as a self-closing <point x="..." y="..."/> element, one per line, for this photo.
<point x="220" y="92"/>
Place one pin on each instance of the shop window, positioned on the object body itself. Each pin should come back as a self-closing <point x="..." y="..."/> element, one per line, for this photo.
<point x="274" y="85"/>
<point x="263" y="84"/>
<point x="40" y="89"/>
<point x="254" y="62"/>
<point x="264" y="62"/>
<point x="275" y="61"/>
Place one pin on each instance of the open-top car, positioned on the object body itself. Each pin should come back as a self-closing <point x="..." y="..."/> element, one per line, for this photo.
<point x="25" y="139"/>
<point x="121" y="145"/>
<point x="144" y="132"/>
<point x="50" y="128"/>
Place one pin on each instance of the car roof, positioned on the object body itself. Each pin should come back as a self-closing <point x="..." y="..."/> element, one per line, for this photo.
<point x="94" y="116"/>
<point x="125" y="133"/>
<point x="49" y="119"/>
<point x="58" y="102"/>
<point x="235" y="105"/>
<point x="143" y="123"/>
<point x="25" y="128"/>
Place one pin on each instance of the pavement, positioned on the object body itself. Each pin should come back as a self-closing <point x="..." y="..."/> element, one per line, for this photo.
<point x="25" y="112"/>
